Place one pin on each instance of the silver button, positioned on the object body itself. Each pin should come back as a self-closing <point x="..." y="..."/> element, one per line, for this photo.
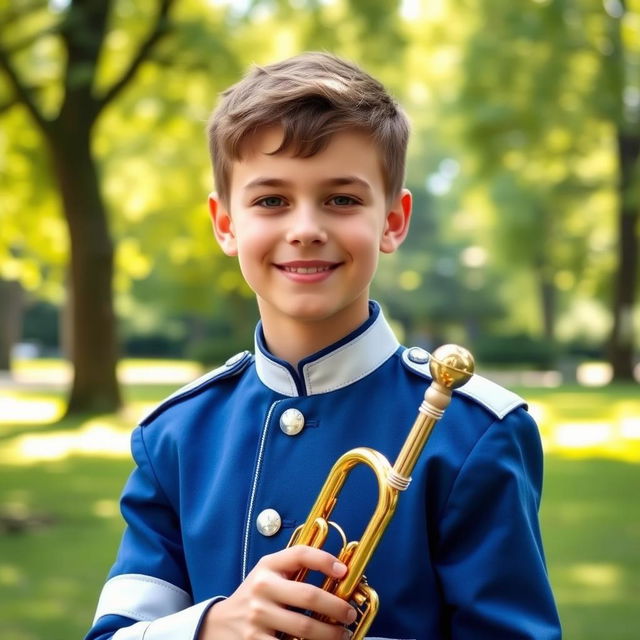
<point x="268" y="522"/>
<point x="292" y="422"/>
<point x="418" y="355"/>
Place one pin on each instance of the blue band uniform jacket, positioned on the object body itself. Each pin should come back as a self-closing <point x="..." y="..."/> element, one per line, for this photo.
<point x="223" y="478"/>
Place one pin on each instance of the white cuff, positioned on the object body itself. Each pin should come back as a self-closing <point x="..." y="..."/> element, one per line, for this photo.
<point x="140" y="597"/>
<point x="177" y="626"/>
<point x="134" y="632"/>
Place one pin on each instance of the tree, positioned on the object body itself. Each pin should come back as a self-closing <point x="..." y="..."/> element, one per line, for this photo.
<point x="547" y="88"/>
<point x="11" y="295"/>
<point x="80" y="28"/>
<point x="621" y="69"/>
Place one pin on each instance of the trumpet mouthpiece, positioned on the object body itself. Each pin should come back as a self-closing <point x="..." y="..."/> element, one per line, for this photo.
<point x="451" y="366"/>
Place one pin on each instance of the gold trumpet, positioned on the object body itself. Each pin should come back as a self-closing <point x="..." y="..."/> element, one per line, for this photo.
<point x="450" y="366"/>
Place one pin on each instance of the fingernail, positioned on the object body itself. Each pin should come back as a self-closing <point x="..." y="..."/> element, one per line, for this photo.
<point x="351" y="616"/>
<point x="339" y="568"/>
<point x="347" y="635"/>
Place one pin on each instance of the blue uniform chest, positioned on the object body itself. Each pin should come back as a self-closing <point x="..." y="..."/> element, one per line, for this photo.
<point x="240" y="462"/>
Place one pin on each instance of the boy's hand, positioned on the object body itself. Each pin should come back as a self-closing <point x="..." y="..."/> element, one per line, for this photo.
<point x="258" y="609"/>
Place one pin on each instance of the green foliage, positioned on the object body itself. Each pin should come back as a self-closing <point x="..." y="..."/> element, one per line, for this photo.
<point x="546" y="89"/>
<point x="517" y="350"/>
<point x="511" y="156"/>
<point x="33" y="243"/>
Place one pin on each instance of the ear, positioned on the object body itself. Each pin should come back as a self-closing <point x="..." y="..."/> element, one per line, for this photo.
<point x="396" y="223"/>
<point x="222" y="225"/>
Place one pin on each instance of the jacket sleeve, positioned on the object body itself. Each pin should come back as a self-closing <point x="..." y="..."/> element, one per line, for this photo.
<point x="490" y="558"/>
<point x="147" y="593"/>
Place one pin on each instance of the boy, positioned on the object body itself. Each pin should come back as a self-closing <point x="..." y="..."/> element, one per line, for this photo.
<point x="308" y="156"/>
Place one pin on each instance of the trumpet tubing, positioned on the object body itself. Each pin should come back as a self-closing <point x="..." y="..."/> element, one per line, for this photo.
<point x="450" y="366"/>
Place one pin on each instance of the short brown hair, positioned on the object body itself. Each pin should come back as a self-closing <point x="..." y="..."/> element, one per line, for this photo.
<point x="311" y="96"/>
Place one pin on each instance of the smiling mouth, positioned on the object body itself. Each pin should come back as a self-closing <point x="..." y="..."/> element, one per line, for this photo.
<point x="308" y="269"/>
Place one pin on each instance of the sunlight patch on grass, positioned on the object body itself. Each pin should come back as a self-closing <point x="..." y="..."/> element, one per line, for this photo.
<point x="630" y="428"/>
<point x="594" y="374"/>
<point x="106" y="508"/>
<point x="15" y="409"/>
<point x="130" y="371"/>
<point x="602" y="575"/>
<point x="582" y="434"/>
<point x="583" y="427"/>
<point x="97" y="437"/>
<point x="26" y="365"/>
<point x="10" y="575"/>
<point x="591" y="583"/>
<point x="158" y="371"/>
<point x="592" y="440"/>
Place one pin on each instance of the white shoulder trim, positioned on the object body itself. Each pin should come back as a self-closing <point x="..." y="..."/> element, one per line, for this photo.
<point x="231" y="366"/>
<point x="140" y="597"/>
<point x="497" y="399"/>
<point x="492" y="396"/>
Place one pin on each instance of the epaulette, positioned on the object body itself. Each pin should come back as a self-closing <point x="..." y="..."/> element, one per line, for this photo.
<point x="492" y="396"/>
<point x="234" y="365"/>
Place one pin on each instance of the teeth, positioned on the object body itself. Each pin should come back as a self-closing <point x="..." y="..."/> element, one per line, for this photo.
<point x="306" y="269"/>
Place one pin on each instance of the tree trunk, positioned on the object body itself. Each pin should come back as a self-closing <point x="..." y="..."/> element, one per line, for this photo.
<point x="546" y="293"/>
<point x="83" y="28"/>
<point x="10" y="317"/>
<point x="621" y="346"/>
<point x="548" y="307"/>
<point x="94" y="345"/>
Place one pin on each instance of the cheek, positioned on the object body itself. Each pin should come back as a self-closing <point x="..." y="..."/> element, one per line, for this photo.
<point x="364" y="247"/>
<point x="252" y="236"/>
<point x="363" y="239"/>
<point x="254" y="245"/>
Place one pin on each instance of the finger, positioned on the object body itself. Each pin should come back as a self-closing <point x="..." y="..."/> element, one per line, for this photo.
<point x="290" y="560"/>
<point x="299" y="625"/>
<point x="308" y="597"/>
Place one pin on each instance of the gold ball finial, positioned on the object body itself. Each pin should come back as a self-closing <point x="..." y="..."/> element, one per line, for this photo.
<point x="451" y="366"/>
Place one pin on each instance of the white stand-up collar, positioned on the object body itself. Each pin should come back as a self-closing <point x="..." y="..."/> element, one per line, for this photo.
<point x="337" y="366"/>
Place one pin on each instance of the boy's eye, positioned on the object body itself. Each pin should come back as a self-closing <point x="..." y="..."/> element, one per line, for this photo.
<point x="343" y="201"/>
<point x="270" y="202"/>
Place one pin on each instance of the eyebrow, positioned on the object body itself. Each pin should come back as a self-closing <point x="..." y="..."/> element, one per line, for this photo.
<point x="341" y="181"/>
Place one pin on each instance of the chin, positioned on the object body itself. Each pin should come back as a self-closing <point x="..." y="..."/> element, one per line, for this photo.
<point x="309" y="310"/>
<point x="311" y="314"/>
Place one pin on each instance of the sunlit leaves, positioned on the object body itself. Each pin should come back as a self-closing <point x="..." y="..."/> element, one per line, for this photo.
<point x="543" y="91"/>
<point x="511" y="157"/>
<point x="33" y="242"/>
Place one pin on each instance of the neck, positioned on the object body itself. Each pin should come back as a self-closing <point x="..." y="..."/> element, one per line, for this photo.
<point x="292" y="339"/>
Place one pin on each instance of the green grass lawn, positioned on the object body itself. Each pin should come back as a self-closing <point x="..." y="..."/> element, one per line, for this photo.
<point x="591" y="526"/>
<point x="50" y="574"/>
<point x="51" y="571"/>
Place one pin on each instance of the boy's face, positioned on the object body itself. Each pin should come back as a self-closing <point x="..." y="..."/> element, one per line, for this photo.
<point x="308" y="231"/>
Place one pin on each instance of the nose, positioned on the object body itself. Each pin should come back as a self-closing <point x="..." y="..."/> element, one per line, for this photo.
<point x="306" y="227"/>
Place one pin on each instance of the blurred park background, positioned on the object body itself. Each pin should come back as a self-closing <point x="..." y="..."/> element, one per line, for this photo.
<point x="524" y="247"/>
